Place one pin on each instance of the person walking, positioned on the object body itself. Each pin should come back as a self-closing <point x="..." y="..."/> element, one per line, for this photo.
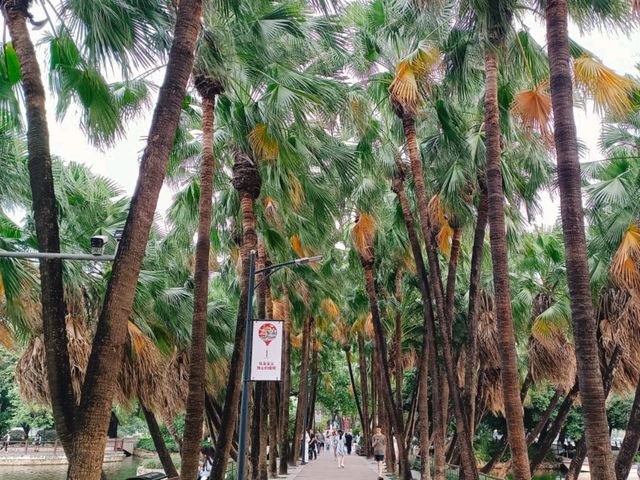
<point x="334" y="442"/>
<point x="319" y="441"/>
<point x="207" y="462"/>
<point x="6" y="440"/>
<point x="379" y="444"/>
<point x="313" y="455"/>
<point x="348" y="441"/>
<point x="341" y="448"/>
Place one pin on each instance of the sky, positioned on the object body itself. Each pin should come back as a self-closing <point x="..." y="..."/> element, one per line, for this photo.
<point x="618" y="51"/>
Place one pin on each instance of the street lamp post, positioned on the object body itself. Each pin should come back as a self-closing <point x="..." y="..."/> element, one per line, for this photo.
<point x="246" y="372"/>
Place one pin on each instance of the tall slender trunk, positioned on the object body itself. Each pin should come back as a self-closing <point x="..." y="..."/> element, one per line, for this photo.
<point x="396" y="420"/>
<point x="285" y="390"/>
<point x="364" y="389"/>
<point x="581" y="447"/>
<point x="397" y="341"/>
<point x="45" y="214"/>
<point x="454" y="255"/>
<point x="298" y="431"/>
<point x="544" y="420"/>
<point x="428" y="358"/>
<point x="198" y="355"/>
<point x="631" y="441"/>
<point x="246" y="179"/>
<point x="347" y="353"/>
<point x="546" y="440"/>
<point x="93" y="415"/>
<point x="313" y="378"/>
<point x="274" y="418"/>
<point x="158" y="441"/>
<point x="506" y="339"/>
<point x="569" y="180"/>
<point x="468" y="459"/>
<point x="471" y="360"/>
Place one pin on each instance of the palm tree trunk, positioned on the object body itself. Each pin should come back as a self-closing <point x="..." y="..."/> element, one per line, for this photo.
<point x="542" y="423"/>
<point x="274" y="430"/>
<point x="45" y="214"/>
<point x="397" y="341"/>
<point x="364" y="388"/>
<point x="569" y="180"/>
<point x="311" y="404"/>
<point x="298" y="431"/>
<point x="347" y="352"/>
<point x="246" y="180"/>
<point x="163" y="452"/>
<point x="471" y="361"/>
<point x="395" y="420"/>
<point x="93" y="415"/>
<point x="198" y="357"/>
<point x="428" y="358"/>
<point x="631" y="441"/>
<point x="581" y="446"/>
<point x="468" y="459"/>
<point x="506" y="339"/>
<point x="545" y="442"/>
<point x="456" y="243"/>
<point x="285" y="384"/>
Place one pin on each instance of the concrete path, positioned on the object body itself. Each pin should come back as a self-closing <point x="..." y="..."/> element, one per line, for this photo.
<point x="326" y="468"/>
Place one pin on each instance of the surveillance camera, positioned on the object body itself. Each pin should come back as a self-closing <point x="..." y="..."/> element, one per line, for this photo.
<point x="97" y="244"/>
<point x="118" y="234"/>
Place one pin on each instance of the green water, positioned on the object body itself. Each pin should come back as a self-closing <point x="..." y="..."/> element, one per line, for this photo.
<point x="114" y="471"/>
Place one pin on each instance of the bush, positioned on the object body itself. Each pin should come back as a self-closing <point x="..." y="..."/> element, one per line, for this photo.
<point x="146" y="443"/>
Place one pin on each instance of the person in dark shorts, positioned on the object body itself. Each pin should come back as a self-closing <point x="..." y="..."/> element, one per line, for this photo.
<point x="379" y="444"/>
<point x="348" y="440"/>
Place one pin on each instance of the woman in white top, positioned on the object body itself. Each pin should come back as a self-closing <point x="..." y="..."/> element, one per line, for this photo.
<point x="207" y="463"/>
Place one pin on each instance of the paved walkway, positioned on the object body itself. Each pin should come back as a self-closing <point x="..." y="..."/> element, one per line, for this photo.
<point x="326" y="468"/>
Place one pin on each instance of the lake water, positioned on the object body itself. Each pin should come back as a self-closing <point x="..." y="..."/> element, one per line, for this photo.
<point x="114" y="471"/>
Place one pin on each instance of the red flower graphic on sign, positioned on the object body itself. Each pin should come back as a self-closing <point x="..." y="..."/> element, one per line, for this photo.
<point x="267" y="333"/>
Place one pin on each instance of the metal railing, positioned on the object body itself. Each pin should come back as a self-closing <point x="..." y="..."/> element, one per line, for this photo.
<point x="49" y="449"/>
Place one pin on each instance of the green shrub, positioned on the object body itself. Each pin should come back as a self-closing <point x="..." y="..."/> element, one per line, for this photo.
<point x="146" y="443"/>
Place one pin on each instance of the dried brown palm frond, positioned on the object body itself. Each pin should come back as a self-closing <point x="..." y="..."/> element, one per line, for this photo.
<point x="533" y="109"/>
<point x="296" y="192"/>
<point x="412" y="75"/>
<point x="369" y="330"/>
<point x="330" y="308"/>
<point x="296" y="244"/>
<point x="271" y="211"/>
<point x="175" y="385"/>
<point x="624" y="266"/>
<point x="409" y="359"/>
<point x="618" y="314"/>
<point x="278" y="309"/>
<point x="264" y="146"/>
<point x="490" y="384"/>
<point x="488" y="349"/>
<point x="363" y="235"/>
<point x="31" y="369"/>
<point x="301" y="289"/>
<point x="611" y="92"/>
<point x="141" y="373"/>
<point x="552" y="358"/>
<point x="218" y="374"/>
<point x="6" y="337"/>
<point x="341" y="333"/>
<point x="296" y="341"/>
<point x="440" y="223"/>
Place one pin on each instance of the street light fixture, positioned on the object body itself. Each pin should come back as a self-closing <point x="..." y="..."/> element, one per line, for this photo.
<point x="246" y="373"/>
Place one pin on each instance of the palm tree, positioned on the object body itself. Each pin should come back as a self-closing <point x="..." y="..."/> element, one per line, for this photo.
<point x="208" y="89"/>
<point x="591" y="389"/>
<point x="247" y="182"/>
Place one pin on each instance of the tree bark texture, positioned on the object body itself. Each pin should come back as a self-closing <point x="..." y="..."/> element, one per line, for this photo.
<point x="298" y="431"/>
<point x="506" y="338"/>
<point x="198" y="356"/>
<point x="397" y="342"/>
<point x="45" y="214"/>
<point x="158" y="441"/>
<point x="93" y="415"/>
<point x="364" y="389"/>
<point x="468" y="459"/>
<point x="246" y="180"/>
<point x="395" y="420"/>
<point x="631" y="441"/>
<point x="347" y="352"/>
<point x="285" y="387"/>
<point x="569" y="180"/>
<point x="471" y="350"/>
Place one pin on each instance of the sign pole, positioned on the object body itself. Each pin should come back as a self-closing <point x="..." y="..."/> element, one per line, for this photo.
<point x="244" y="408"/>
